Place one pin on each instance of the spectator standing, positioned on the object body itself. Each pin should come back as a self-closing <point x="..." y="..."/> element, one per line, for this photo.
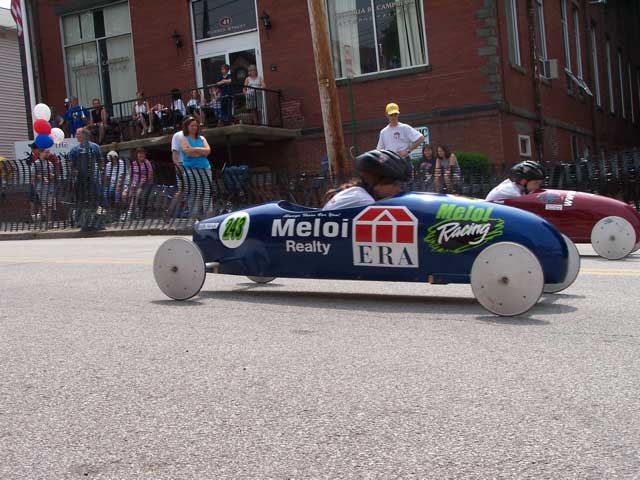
<point x="397" y="136"/>
<point x="43" y="180"/>
<point x="176" y="157"/>
<point x="85" y="160"/>
<point x="114" y="177"/>
<point x="76" y="116"/>
<point x="213" y="110"/>
<point x="140" y="114"/>
<point x="226" y="92"/>
<point x="178" y="110"/>
<point x="447" y="169"/>
<point x="141" y="182"/>
<point x="254" y="97"/>
<point x="195" y="150"/>
<point x="98" y="120"/>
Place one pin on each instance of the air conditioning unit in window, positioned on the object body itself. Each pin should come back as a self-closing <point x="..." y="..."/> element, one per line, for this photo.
<point x="549" y="68"/>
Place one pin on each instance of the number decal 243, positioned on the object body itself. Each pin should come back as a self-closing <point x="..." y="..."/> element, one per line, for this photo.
<point x="234" y="229"/>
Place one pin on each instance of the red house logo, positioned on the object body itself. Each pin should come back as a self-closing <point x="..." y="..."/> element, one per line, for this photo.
<point x="385" y="237"/>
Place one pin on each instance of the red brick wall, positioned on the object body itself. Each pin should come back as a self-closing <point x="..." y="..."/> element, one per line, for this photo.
<point x="455" y="80"/>
<point x="615" y="20"/>
<point x="160" y="66"/>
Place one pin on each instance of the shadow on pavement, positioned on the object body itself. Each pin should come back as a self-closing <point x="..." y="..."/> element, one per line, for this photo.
<point x="377" y="303"/>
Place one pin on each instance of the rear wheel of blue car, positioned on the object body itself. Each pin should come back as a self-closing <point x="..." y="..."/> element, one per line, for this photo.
<point x="507" y="279"/>
<point x="262" y="279"/>
<point x="573" y="268"/>
<point x="179" y="269"/>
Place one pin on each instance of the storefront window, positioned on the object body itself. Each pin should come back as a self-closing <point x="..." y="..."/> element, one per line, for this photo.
<point x="217" y="18"/>
<point x="99" y="55"/>
<point x="370" y="36"/>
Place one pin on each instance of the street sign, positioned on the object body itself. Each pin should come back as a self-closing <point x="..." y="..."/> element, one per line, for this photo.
<point x="417" y="153"/>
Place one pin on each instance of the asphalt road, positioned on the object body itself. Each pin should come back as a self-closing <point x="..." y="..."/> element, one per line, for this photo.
<point x="102" y="377"/>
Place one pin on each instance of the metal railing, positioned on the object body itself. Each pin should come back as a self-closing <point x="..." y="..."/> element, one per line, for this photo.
<point x="163" y="114"/>
<point x="133" y="196"/>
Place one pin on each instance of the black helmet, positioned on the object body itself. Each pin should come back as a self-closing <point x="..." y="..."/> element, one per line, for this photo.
<point x="528" y="170"/>
<point x="384" y="164"/>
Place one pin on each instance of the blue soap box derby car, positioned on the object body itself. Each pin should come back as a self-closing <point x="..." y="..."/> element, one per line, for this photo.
<point x="509" y="256"/>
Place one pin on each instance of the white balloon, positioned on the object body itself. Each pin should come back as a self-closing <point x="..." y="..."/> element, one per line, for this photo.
<point x="57" y="135"/>
<point x="42" y="111"/>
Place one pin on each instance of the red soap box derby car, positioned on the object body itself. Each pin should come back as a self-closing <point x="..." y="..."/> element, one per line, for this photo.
<point x="611" y="226"/>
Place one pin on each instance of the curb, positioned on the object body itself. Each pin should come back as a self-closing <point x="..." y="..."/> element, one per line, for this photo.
<point x="77" y="233"/>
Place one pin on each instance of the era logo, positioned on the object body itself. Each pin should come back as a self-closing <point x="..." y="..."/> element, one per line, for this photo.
<point x="385" y="237"/>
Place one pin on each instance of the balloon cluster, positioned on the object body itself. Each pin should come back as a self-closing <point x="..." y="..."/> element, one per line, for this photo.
<point x="45" y="135"/>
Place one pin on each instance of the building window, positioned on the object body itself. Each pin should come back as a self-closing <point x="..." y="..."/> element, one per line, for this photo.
<point x="621" y="79"/>
<point x="514" y="35"/>
<point x="541" y="40"/>
<point x="218" y="18"/>
<point x="524" y="145"/>
<point x="576" y="32"/>
<point x="369" y="36"/>
<point x="612" y="105"/>
<point x="632" y="107"/>
<point x="575" y="149"/>
<point x="596" y="68"/>
<point x="99" y="54"/>
<point x="567" y="47"/>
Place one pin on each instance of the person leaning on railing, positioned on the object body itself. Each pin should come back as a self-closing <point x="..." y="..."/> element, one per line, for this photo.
<point x="197" y="169"/>
<point x="447" y="170"/>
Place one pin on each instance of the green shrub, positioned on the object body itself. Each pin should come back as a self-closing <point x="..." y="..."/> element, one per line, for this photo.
<point x="474" y="163"/>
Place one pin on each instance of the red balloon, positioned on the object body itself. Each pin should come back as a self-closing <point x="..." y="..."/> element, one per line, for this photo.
<point x="42" y="127"/>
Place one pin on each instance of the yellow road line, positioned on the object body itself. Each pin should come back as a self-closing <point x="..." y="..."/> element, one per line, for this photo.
<point x="70" y="260"/>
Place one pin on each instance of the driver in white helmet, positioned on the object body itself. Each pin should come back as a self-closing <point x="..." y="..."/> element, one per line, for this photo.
<point x="525" y="177"/>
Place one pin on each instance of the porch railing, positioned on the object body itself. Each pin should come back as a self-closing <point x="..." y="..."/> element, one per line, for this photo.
<point x="162" y="114"/>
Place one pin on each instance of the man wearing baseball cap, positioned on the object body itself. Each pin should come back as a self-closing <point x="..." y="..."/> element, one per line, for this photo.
<point x="397" y="136"/>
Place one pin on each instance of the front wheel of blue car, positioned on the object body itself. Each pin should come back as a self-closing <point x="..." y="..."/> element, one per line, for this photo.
<point x="507" y="279"/>
<point x="262" y="279"/>
<point x="179" y="269"/>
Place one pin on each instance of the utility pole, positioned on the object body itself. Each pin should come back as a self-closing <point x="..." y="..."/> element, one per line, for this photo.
<point x="331" y="118"/>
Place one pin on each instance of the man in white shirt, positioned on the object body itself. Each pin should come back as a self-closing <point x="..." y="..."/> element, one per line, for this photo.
<point x="176" y="153"/>
<point x="525" y="177"/>
<point x="397" y="136"/>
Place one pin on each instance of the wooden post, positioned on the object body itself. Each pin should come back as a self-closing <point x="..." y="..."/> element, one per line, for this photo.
<point x="331" y="118"/>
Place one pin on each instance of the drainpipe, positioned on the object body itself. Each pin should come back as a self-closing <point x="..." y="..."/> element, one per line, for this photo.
<point x="537" y="88"/>
<point x="590" y="66"/>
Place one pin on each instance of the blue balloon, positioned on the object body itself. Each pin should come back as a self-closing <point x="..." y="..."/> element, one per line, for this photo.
<point x="44" y="141"/>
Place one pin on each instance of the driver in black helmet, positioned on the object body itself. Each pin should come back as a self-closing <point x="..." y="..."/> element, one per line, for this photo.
<point x="381" y="173"/>
<point x="525" y="177"/>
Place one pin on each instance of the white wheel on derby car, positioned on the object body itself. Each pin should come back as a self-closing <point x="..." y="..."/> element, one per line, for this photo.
<point x="261" y="280"/>
<point x="573" y="268"/>
<point x="179" y="269"/>
<point x="507" y="279"/>
<point x="613" y="238"/>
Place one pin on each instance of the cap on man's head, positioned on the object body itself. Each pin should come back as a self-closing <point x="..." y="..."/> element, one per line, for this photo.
<point x="113" y="154"/>
<point x="392" y="108"/>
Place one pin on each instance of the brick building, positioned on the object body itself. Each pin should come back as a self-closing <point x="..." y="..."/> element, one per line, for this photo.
<point x="546" y="79"/>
